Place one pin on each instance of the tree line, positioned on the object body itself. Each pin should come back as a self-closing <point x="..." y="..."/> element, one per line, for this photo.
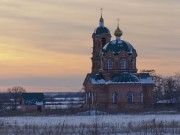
<point x="166" y="88"/>
<point x="10" y="99"/>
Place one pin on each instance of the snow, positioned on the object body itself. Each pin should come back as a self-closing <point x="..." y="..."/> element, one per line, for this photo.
<point x="77" y="120"/>
<point x="63" y="102"/>
<point x="92" y="112"/>
<point x="164" y="101"/>
<point x="72" y="98"/>
<point x="102" y="81"/>
<point x="65" y="106"/>
<point x="174" y="100"/>
<point x="39" y="103"/>
<point x="113" y="42"/>
<point x="130" y="51"/>
<point x="120" y="42"/>
<point x="147" y="80"/>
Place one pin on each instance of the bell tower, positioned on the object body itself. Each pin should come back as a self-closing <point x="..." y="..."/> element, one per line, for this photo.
<point x="101" y="36"/>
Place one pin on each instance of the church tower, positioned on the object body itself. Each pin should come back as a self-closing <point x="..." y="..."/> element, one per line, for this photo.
<point x="101" y="36"/>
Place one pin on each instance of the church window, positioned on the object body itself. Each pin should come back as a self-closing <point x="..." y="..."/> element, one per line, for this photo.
<point x="115" y="98"/>
<point x="103" y="42"/>
<point x="142" y="97"/>
<point x="123" y="64"/>
<point x="86" y="98"/>
<point x="133" y="64"/>
<point x="130" y="98"/>
<point x="92" y="98"/>
<point x="89" y="98"/>
<point x="110" y="64"/>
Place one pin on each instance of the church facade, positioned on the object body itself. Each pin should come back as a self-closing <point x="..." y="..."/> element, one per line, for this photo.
<point x="114" y="82"/>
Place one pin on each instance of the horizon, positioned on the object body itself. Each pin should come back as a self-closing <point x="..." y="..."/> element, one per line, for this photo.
<point x="46" y="45"/>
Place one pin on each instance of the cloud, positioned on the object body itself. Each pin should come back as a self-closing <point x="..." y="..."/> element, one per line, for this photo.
<point x="44" y="84"/>
<point x="52" y="38"/>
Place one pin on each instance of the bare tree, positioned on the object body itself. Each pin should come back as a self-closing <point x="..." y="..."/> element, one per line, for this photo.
<point x="159" y="87"/>
<point x="15" y="94"/>
<point x="177" y="78"/>
<point x="169" y="88"/>
<point x="3" y="101"/>
<point x="165" y="87"/>
<point x="152" y="72"/>
<point x="159" y="83"/>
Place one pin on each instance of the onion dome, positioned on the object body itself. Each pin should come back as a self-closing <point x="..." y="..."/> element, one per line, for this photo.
<point x="125" y="77"/>
<point x="118" y="32"/>
<point x="116" y="46"/>
<point x="101" y="29"/>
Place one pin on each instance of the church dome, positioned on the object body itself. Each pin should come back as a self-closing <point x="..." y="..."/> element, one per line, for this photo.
<point x="118" y="32"/>
<point x="116" y="46"/>
<point x="101" y="30"/>
<point x="125" y="77"/>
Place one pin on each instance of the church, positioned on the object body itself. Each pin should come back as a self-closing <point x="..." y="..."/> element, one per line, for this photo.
<point x="114" y="82"/>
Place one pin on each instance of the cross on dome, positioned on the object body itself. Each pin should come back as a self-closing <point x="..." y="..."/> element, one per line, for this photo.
<point x="118" y="33"/>
<point x="101" y="21"/>
<point x="118" y="22"/>
<point x="101" y="11"/>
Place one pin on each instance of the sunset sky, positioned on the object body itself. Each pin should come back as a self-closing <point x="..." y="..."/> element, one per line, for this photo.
<point x="45" y="45"/>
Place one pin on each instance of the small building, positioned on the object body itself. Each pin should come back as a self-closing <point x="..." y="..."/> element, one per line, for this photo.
<point x="32" y="102"/>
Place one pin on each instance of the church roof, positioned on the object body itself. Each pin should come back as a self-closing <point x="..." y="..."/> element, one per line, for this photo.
<point x="101" y="30"/>
<point x="142" y="78"/>
<point x="124" y="77"/>
<point x="96" y="76"/>
<point x="116" y="46"/>
<point x="33" y="98"/>
<point x="145" y="78"/>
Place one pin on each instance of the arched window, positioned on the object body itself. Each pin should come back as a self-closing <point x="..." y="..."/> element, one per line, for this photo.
<point x="133" y="64"/>
<point x="130" y="98"/>
<point x="142" y="97"/>
<point x="115" y="98"/>
<point x="103" y="42"/>
<point x="123" y="64"/>
<point x="86" y="98"/>
<point x="110" y="64"/>
<point x="90" y="97"/>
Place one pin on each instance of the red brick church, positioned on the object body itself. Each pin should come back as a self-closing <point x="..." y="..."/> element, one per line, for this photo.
<point x="114" y="82"/>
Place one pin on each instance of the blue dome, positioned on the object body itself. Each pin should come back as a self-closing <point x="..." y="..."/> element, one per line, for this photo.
<point x="116" y="46"/>
<point x="125" y="77"/>
<point x="101" y="30"/>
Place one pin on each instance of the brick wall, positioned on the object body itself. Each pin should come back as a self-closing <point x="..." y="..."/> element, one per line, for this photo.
<point x="103" y="95"/>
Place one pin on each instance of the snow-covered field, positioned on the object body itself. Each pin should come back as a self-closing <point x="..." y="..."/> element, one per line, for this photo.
<point x="77" y="120"/>
<point x="101" y="124"/>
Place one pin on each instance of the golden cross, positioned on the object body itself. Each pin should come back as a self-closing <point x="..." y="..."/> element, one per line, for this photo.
<point x="118" y="22"/>
<point x="101" y="11"/>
